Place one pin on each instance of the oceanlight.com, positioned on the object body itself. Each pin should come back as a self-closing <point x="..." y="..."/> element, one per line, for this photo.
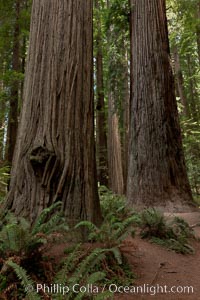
<point x="112" y="288"/>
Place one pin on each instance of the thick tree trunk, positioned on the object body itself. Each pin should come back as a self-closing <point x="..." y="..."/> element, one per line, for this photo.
<point x="13" y="106"/>
<point x="102" y="157"/>
<point x="55" y="158"/>
<point x="157" y="173"/>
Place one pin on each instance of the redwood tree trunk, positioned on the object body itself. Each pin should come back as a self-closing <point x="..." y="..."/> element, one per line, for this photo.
<point x="126" y="119"/>
<point x="198" y="30"/>
<point x="102" y="157"/>
<point x="116" y="183"/>
<point x="13" y="105"/>
<point x="55" y="158"/>
<point x="157" y="173"/>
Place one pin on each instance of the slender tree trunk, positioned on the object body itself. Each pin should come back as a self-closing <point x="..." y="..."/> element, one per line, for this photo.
<point x="116" y="183"/>
<point x="102" y="156"/>
<point x="13" y="106"/>
<point x="193" y="90"/>
<point x="55" y="158"/>
<point x="198" y="30"/>
<point x="180" y="81"/>
<point x="2" y="125"/>
<point x="126" y="119"/>
<point x="115" y="169"/>
<point x="157" y="173"/>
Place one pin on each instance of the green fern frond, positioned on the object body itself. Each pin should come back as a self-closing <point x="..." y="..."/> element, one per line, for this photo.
<point x="90" y="226"/>
<point x="42" y="218"/>
<point x="104" y="296"/>
<point x="87" y="264"/>
<point x="117" y="254"/>
<point x="55" y="223"/>
<point x="96" y="277"/>
<point x="122" y="228"/>
<point x="25" y="279"/>
<point x="69" y="264"/>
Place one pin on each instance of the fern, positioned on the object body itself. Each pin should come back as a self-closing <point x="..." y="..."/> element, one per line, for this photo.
<point x="25" y="279"/>
<point x="117" y="254"/>
<point x="55" y="223"/>
<point x="153" y="223"/>
<point x="69" y="264"/>
<point x="87" y="264"/>
<point x="90" y="226"/>
<point x="122" y="227"/>
<point x="43" y="216"/>
<point x="95" y="277"/>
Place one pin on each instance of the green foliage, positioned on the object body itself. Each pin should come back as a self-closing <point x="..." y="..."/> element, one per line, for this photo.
<point x="4" y="177"/>
<point x="49" y="221"/>
<point x="18" y="237"/>
<point x="184" y="28"/>
<point x="98" y="266"/>
<point x="79" y="268"/>
<point x="25" y="280"/>
<point x="173" y="235"/>
<point x="191" y="142"/>
<point x="153" y="223"/>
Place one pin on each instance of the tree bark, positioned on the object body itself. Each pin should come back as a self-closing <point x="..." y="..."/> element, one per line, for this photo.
<point x="55" y="157"/>
<point x="116" y="183"/>
<point x="13" y="105"/>
<point x="102" y="155"/>
<point x="115" y="166"/>
<point x="157" y="173"/>
<point x="126" y="119"/>
<point x="198" y="30"/>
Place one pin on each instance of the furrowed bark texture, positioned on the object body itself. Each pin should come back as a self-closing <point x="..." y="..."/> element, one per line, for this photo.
<point x="115" y="171"/>
<point x="157" y="174"/>
<point x="102" y="155"/>
<point x="13" y="109"/>
<point x="55" y="159"/>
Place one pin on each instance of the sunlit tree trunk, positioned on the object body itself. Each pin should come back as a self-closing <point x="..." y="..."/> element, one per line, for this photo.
<point x="157" y="173"/>
<point x="55" y="158"/>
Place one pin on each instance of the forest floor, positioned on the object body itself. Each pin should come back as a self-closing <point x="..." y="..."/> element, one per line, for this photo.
<point x="156" y="266"/>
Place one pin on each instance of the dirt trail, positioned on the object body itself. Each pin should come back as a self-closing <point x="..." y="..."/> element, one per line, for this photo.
<point x="155" y="266"/>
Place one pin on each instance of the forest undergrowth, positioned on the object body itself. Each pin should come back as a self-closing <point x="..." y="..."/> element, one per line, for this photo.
<point x="27" y="270"/>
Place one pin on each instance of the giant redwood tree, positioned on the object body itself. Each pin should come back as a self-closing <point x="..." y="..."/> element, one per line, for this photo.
<point x="157" y="173"/>
<point x="54" y="157"/>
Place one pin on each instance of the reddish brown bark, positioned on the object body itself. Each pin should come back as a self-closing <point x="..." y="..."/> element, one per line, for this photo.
<point x="102" y="155"/>
<point x="13" y="109"/>
<point x="157" y="173"/>
<point x="54" y="158"/>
